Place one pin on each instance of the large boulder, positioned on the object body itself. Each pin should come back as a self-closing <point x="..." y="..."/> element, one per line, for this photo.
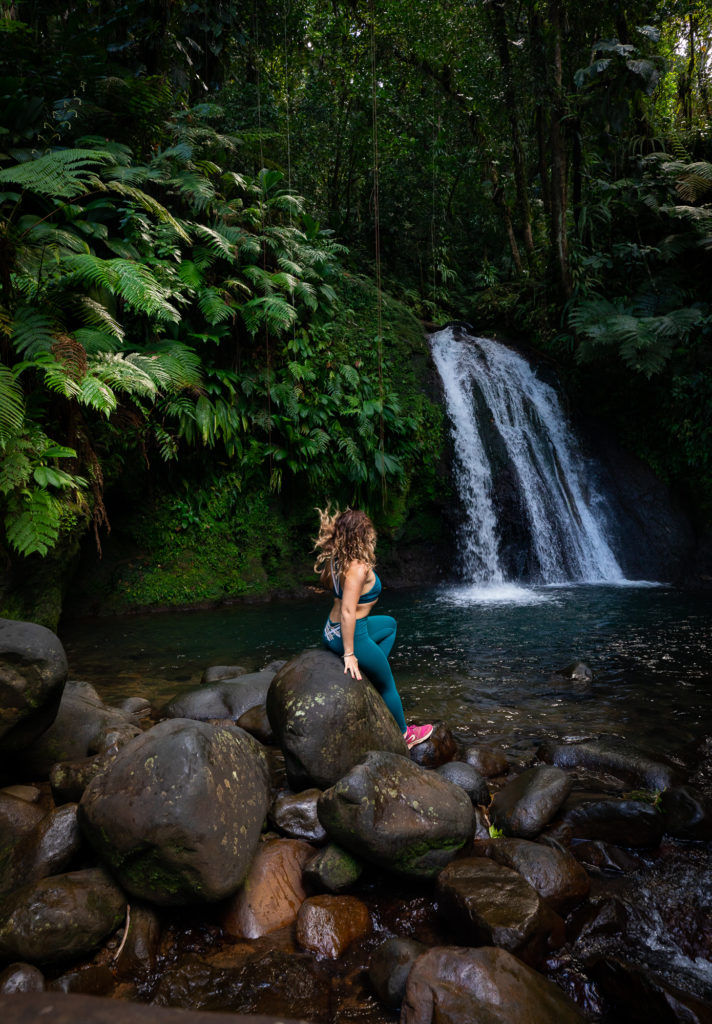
<point x="448" y="985"/>
<point x="390" y="811"/>
<point x="528" y="803"/>
<point x="325" y="721"/>
<point x="33" y="671"/>
<point x="84" y="725"/>
<point x="60" y="918"/>
<point x="178" y="814"/>
<point x="496" y="906"/>
<point x="224" y="698"/>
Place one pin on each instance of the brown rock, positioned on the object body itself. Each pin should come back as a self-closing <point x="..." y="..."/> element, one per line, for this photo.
<point x="556" y="875"/>
<point x="496" y="906"/>
<point x="438" y="749"/>
<point x="449" y="985"/>
<point x="139" y="948"/>
<point x="272" y="893"/>
<point x="327" y="925"/>
<point x="488" y="761"/>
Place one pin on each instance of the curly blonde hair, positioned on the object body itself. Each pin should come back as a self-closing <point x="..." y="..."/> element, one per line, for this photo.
<point x="346" y="537"/>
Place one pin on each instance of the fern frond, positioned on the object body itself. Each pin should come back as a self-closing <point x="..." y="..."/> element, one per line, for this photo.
<point x="97" y="395"/>
<point x="31" y="332"/>
<point x="61" y="174"/>
<point x="214" y="307"/>
<point x="32" y="521"/>
<point x="150" y="205"/>
<point x="97" y="315"/>
<point x="12" y="405"/>
<point x="271" y="310"/>
<point x="217" y="242"/>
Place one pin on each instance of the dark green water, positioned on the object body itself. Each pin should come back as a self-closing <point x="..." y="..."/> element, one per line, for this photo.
<point x="480" y="660"/>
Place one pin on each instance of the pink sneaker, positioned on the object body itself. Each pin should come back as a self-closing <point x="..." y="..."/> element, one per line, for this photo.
<point x="416" y="734"/>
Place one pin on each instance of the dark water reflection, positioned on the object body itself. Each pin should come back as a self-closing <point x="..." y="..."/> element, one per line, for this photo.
<point x="482" y="660"/>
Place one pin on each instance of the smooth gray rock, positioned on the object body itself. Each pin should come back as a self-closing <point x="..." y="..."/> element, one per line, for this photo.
<point x="21" y="978"/>
<point x="33" y="671"/>
<point x="84" y="725"/>
<point x="325" y="721"/>
<point x="178" y="814"/>
<point x="60" y="918"/>
<point x="469" y="779"/>
<point x="295" y="815"/>
<point x="390" y="811"/>
<point x="496" y="906"/>
<point x="216" y="673"/>
<point x="227" y="698"/>
<point x="527" y="804"/>
<point x="390" y="966"/>
<point x="629" y="765"/>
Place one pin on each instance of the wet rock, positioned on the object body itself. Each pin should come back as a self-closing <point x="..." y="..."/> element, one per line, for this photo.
<point x="448" y="985"/>
<point x="437" y="750"/>
<point x="27" y="794"/>
<point x="18" y="818"/>
<point x="628" y="765"/>
<point x="94" y="980"/>
<point x="496" y="906"/>
<point x="332" y="870"/>
<point x="390" y="967"/>
<point x="604" y="858"/>
<point x="69" y="779"/>
<point x="273" y="983"/>
<point x="623" y="822"/>
<point x="178" y="814"/>
<point x="556" y="875"/>
<point x="467" y="778"/>
<point x="295" y="815"/>
<point x="641" y="996"/>
<point x="489" y="762"/>
<point x="577" y="674"/>
<point x="47" y="850"/>
<point x="528" y="803"/>
<point x="227" y="699"/>
<point x="33" y="671"/>
<point x="71" y="1009"/>
<point x="60" y="918"/>
<point x="325" y="721"/>
<point x="21" y="978"/>
<point x="256" y="722"/>
<point x="687" y="813"/>
<point x="482" y="823"/>
<point x="140" y="944"/>
<point x="136" y="708"/>
<point x="216" y="673"/>
<point x="390" y="811"/>
<point x="601" y="918"/>
<point x="272" y="892"/>
<point x="81" y="727"/>
<point x="327" y="925"/>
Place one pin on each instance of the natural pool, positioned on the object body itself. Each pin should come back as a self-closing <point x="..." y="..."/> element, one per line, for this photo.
<point x="480" y="659"/>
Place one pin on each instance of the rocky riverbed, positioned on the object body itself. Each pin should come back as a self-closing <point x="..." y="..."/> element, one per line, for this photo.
<point x="267" y="845"/>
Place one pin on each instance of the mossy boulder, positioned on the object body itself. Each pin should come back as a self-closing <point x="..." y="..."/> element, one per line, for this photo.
<point x="178" y="814"/>
<point x="325" y="721"/>
<point x="390" y="811"/>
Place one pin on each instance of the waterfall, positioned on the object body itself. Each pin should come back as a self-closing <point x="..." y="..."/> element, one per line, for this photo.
<point x="518" y="465"/>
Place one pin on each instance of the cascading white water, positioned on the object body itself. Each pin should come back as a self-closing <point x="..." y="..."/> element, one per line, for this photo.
<point x="563" y="512"/>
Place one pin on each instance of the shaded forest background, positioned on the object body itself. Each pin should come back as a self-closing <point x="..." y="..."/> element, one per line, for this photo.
<point x="223" y="225"/>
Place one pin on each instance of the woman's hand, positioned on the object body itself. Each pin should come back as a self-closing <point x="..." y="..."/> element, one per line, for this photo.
<point x="351" y="665"/>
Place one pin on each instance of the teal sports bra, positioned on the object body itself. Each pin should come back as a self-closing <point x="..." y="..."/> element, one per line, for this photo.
<point x="368" y="598"/>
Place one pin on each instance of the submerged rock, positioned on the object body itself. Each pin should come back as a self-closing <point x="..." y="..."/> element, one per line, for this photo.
<point x="394" y="813"/>
<point x="496" y="906"/>
<point x="325" y="721"/>
<point x="178" y="814"/>
<point x="624" y="822"/>
<point x="488" y="761"/>
<point x="642" y="996"/>
<point x="527" y="804"/>
<point x="687" y="813"/>
<point x="449" y="985"/>
<point x="629" y="765"/>
<point x="33" y="671"/>
<point x="60" y="918"/>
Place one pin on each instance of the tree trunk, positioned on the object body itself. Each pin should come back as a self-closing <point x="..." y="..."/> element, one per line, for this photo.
<point x="559" y="197"/>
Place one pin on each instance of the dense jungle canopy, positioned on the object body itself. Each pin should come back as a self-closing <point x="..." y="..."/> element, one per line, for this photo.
<point x="222" y="225"/>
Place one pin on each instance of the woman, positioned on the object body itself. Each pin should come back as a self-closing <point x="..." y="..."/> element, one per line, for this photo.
<point x="346" y="546"/>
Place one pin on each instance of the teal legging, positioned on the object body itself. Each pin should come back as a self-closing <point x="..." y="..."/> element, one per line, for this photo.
<point x="374" y="637"/>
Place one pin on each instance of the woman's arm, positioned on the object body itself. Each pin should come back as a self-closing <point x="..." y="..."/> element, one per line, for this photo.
<point x="354" y="580"/>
